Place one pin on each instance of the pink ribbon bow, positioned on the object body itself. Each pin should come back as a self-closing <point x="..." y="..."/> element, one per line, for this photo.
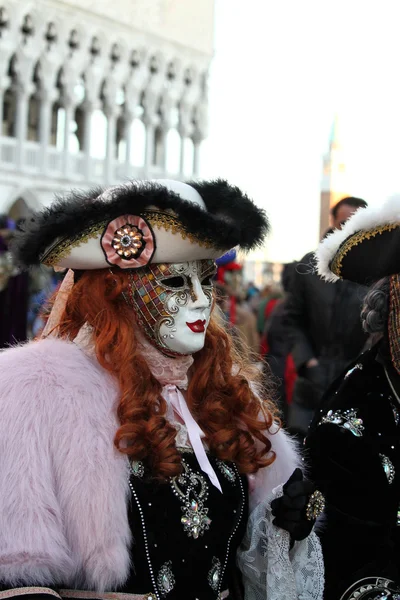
<point x="175" y="398"/>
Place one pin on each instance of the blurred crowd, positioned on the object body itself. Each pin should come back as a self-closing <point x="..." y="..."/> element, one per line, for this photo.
<point x="301" y="331"/>
<point x="23" y="295"/>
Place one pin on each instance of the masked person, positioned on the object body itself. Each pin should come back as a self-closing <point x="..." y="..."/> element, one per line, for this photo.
<point x="136" y="455"/>
<point x="354" y="440"/>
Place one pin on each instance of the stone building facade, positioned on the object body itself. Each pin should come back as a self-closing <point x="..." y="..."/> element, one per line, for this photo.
<point x="92" y="93"/>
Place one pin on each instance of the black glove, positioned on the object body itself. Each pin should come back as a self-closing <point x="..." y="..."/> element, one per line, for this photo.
<point x="290" y="509"/>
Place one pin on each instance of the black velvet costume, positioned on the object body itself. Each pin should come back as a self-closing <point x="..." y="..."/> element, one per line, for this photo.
<point x="355" y="463"/>
<point x="192" y="567"/>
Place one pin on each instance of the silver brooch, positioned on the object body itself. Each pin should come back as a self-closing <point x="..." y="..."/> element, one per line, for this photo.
<point x="226" y="471"/>
<point x="388" y="467"/>
<point x="165" y="579"/>
<point x="192" y="489"/>
<point x="137" y="468"/>
<point x="214" y="574"/>
<point x="346" y="419"/>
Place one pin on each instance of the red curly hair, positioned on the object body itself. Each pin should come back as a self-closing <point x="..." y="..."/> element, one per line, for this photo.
<point x="232" y="417"/>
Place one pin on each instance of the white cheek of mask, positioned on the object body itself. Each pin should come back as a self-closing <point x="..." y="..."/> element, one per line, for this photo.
<point x="191" y="310"/>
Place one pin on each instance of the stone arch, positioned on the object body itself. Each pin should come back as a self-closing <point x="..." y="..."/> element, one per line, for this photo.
<point x="98" y="45"/>
<point x="23" y="204"/>
<point x="77" y="39"/>
<point x="123" y="52"/>
<point x="52" y="34"/>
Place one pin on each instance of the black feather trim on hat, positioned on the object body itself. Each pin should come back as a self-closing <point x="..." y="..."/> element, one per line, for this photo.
<point x="228" y="202"/>
<point x="232" y="219"/>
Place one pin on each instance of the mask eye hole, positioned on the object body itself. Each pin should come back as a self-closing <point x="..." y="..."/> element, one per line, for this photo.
<point x="207" y="280"/>
<point x="173" y="282"/>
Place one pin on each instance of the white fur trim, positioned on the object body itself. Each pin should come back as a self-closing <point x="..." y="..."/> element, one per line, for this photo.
<point x="363" y="219"/>
<point x="287" y="460"/>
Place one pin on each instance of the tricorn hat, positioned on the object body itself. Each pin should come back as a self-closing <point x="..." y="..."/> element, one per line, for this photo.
<point x="366" y="249"/>
<point x="140" y="222"/>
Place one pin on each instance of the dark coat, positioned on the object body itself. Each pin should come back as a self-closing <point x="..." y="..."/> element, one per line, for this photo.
<point x="324" y="323"/>
<point x="360" y="533"/>
<point x="278" y="350"/>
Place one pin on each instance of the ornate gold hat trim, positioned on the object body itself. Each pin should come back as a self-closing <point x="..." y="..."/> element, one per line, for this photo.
<point x="62" y="247"/>
<point x="354" y="240"/>
<point x="167" y="221"/>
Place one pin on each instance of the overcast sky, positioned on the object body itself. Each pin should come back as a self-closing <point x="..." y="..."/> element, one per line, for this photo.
<point x="282" y="69"/>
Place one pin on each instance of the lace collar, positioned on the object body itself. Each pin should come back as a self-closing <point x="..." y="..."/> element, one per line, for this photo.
<point x="168" y="371"/>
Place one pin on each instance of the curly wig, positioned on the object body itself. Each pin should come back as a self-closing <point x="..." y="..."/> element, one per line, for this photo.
<point x="375" y="310"/>
<point x="231" y="414"/>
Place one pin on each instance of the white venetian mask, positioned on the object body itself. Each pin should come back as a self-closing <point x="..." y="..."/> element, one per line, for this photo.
<point x="173" y="304"/>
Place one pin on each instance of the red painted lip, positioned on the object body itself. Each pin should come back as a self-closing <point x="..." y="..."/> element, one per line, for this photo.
<point x="198" y="326"/>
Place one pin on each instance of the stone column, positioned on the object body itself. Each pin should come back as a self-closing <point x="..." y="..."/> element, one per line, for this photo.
<point x="88" y="110"/>
<point x="182" y="153"/>
<point x="69" y="117"/>
<point x="149" y="152"/>
<point x="1" y="109"/>
<point x="128" y="120"/>
<point x="196" y="156"/>
<point x="21" y="122"/>
<point x="199" y="133"/>
<point x="44" y="128"/>
<point x="109" y="171"/>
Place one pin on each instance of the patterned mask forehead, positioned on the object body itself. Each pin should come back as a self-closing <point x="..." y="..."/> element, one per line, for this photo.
<point x="158" y="291"/>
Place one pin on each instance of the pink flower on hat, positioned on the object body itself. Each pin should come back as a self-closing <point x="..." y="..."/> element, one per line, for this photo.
<point x="128" y="242"/>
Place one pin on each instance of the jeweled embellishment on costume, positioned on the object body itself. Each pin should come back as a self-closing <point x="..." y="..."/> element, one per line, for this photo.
<point x="347" y="419"/>
<point x="137" y="468"/>
<point x="372" y="588"/>
<point x="192" y="489"/>
<point x="356" y="367"/>
<point x="226" y="471"/>
<point x="214" y="574"/>
<point x="315" y="506"/>
<point x="127" y="241"/>
<point x="195" y="520"/>
<point x="395" y="411"/>
<point x="165" y="579"/>
<point x="388" y="467"/>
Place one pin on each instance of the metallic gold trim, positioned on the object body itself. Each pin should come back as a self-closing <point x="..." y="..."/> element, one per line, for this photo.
<point x="354" y="240"/>
<point x="394" y="321"/>
<point x="24" y="591"/>
<point x="170" y="222"/>
<point x="62" y="248"/>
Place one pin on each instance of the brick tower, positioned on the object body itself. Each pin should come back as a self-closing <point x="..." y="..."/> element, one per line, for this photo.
<point x="334" y="178"/>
